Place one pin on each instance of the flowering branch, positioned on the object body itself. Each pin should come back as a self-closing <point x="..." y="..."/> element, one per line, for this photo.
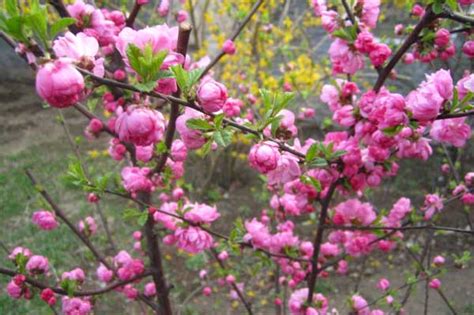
<point x="247" y="305"/>
<point x="182" y="47"/>
<point x="427" y="18"/>
<point x="318" y="239"/>
<point x="404" y="228"/>
<point x="61" y="291"/>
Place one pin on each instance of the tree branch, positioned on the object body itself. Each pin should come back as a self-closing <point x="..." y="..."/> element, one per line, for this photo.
<point x="61" y="291"/>
<point x="233" y="36"/>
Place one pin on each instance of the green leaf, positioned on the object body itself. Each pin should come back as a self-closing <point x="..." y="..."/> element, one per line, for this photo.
<point x="338" y="154"/>
<point x="223" y="137"/>
<point x="60" y="25"/>
<point x="206" y="148"/>
<point x="131" y="213"/>
<point x="199" y="124"/>
<point x="318" y="162"/>
<point x="392" y="131"/>
<point x="193" y="77"/>
<point x="309" y="180"/>
<point x="312" y="152"/>
<point x="218" y="121"/>
<point x="143" y="217"/>
<point x="146" y="86"/>
<point x="161" y="148"/>
<point x="275" y="123"/>
<point x="133" y="53"/>
<point x="181" y="77"/>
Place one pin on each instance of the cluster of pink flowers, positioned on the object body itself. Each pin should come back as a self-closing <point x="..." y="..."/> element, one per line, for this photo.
<point x="127" y="266"/>
<point x="297" y="303"/>
<point x="45" y="220"/>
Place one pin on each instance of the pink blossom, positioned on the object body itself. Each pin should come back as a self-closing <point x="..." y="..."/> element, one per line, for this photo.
<point x="468" y="48"/>
<point x="193" y="239"/>
<point x="88" y="226"/>
<point x="465" y="85"/>
<point x="136" y="179"/>
<point x="398" y="29"/>
<point x="229" y="47"/>
<point x="344" y="116"/>
<point x="178" y="152"/>
<point x="433" y="203"/>
<point x="47" y="295"/>
<point x="223" y="255"/>
<point x="364" y="42"/>
<point x="329" y="250"/>
<point x="287" y="128"/>
<point x="343" y="59"/>
<point x="370" y="12"/>
<point x="453" y="131"/>
<point x="150" y="289"/>
<point x="128" y="267"/>
<point x="177" y="193"/>
<point x="389" y="110"/>
<point x="59" y="83"/>
<point x="80" y="11"/>
<point x="319" y="6"/>
<point x="408" y="58"/>
<point x="82" y="49"/>
<point x="443" y="83"/>
<point x="232" y="107"/>
<point x="297" y="302"/>
<point x="207" y="291"/>
<point x="329" y="20"/>
<point x="360" y="305"/>
<point x="159" y="37"/>
<point x="354" y="212"/>
<point x="37" y="264"/>
<point x="257" y="233"/>
<point x="19" y="251"/>
<point x="202" y="274"/>
<point x="438" y="261"/>
<point x="419" y="149"/>
<point x="264" y="157"/>
<point x="104" y="274"/>
<point x="120" y="75"/>
<point x="130" y="292"/>
<point x="163" y="8"/>
<point x="342" y="267"/>
<point x="140" y="125"/>
<point x="45" y="220"/>
<point x="399" y="210"/>
<point x="469" y="178"/>
<point x="76" y="274"/>
<point x="211" y="95"/>
<point x="379" y="54"/>
<point x="306" y="113"/>
<point x="13" y="290"/>
<point x="442" y="37"/>
<point x="181" y="16"/>
<point x="144" y="153"/>
<point x="383" y="284"/>
<point x="166" y="86"/>
<point x="116" y="149"/>
<point x="76" y="306"/>
<point x="435" y="284"/>
<point x="417" y="10"/>
<point x="192" y="138"/>
<point x="468" y="199"/>
<point x="168" y="221"/>
<point x="287" y="170"/>
<point x="200" y="213"/>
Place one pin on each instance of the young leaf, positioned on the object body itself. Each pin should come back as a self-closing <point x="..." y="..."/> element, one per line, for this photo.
<point x="59" y="25"/>
<point x="199" y="124"/>
<point x="318" y="162"/>
<point x="312" y="152"/>
<point x="146" y="86"/>
<point x="223" y="137"/>
<point x="181" y="77"/>
<point x="218" y="121"/>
